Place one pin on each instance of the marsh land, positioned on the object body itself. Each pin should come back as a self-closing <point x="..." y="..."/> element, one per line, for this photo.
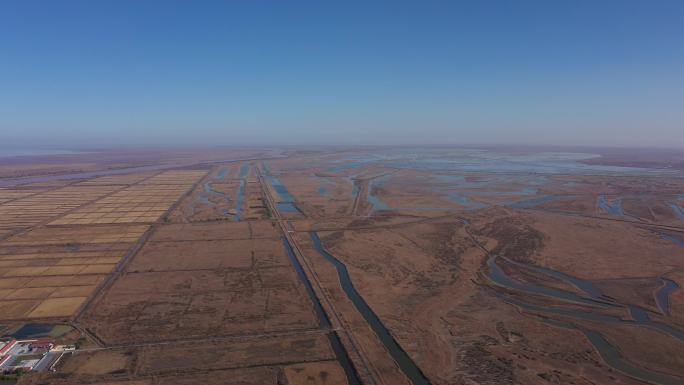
<point x="348" y="265"/>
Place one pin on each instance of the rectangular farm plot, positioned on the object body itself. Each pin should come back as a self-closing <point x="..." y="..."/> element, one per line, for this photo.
<point x="46" y="292"/>
<point x="30" y="293"/>
<point x="9" y="261"/>
<point x="55" y="283"/>
<point x="57" y="270"/>
<point x="34" y="209"/>
<point x="175" y="177"/>
<point x="54" y="258"/>
<point x="77" y="235"/>
<point x="126" y="179"/>
<point x="20" y="308"/>
<point x="144" y="202"/>
<point x="57" y="307"/>
<point x="65" y="280"/>
<point x="73" y="291"/>
<point x="44" y="297"/>
<point x="12" y="310"/>
<point x="7" y="195"/>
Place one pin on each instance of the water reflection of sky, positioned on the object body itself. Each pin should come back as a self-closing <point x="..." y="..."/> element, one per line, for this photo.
<point x="462" y="190"/>
<point x="10" y="152"/>
<point x="614" y="208"/>
<point x="679" y="213"/>
<point x="672" y="239"/>
<point x="514" y="166"/>
<point x="490" y="161"/>
<point x="322" y="185"/>
<point x="373" y="199"/>
<point x="512" y="175"/>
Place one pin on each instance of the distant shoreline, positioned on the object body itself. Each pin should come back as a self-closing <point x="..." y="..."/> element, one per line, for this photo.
<point x="12" y="152"/>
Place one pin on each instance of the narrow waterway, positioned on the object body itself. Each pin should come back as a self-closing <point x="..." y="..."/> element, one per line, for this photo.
<point x="244" y="170"/>
<point x="613" y="358"/>
<point x="239" y="201"/>
<point x="662" y="295"/>
<point x="672" y="239"/>
<point x="679" y="213"/>
<point x="376" y="203"/>
<point x="533" y="202"/>
<point x="405" y="363"/>
<point x="286" y="201"/>
<point x="323" y="320"/>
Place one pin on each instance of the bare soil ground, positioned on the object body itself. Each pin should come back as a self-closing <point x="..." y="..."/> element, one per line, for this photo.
<point x="193" y="286"/>
<point x="481" y="276"/>
<point x="252" y="361"/>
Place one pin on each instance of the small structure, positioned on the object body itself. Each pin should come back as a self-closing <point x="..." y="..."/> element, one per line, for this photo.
<point x="17" y="355"/>
<point x="42" y="344"/>
<point x="63" y="348"/>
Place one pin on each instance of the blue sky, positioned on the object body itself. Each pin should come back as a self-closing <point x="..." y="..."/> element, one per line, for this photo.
<point x="167" y="72"/>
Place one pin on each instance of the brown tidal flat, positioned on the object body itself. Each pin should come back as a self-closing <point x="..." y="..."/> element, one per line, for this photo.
<point x="349" y="266"/>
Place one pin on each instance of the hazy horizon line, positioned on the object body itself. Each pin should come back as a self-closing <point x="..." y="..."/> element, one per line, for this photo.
<point x="20" y="145"/>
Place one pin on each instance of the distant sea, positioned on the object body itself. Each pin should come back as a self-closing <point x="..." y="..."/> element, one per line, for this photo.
<point x="10" y="152"/>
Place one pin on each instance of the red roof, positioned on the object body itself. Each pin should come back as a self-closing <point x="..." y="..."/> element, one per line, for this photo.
<point x="8" y="346"/>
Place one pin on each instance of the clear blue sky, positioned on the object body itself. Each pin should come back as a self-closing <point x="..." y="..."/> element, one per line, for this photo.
<point x="247" y="71"/>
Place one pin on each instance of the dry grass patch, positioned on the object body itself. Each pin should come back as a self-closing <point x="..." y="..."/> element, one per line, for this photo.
<point x="73" y="291"/>
<point x="78" y="235"/>
<point x="31" y="293"/>
<point x="316" y="373"/>
<point x="97" y="269"/>
<point x="68" y="280"/>
<point x="13" y="283"/>
<point x="5" y="292"/>
<point x="57" y="307"/>
<point x="16" y="309"/>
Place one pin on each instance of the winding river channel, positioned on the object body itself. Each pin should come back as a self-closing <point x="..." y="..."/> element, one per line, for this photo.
<point x="662" y="295"/>
<point x="592" y="297"/>
<point x="209" y="191"/>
